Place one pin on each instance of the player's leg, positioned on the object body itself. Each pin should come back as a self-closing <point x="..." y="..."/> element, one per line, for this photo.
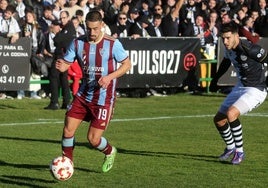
<point x="99" y="142"/>
<point x="236" y="129"/>
<point x="250" y="99"/>
<point x="222" y="125"/>
<point x="68" y="140"/>
<point x="76" y="113"/>
<point x="222" y="122"/>
<point x="99" y="123"/>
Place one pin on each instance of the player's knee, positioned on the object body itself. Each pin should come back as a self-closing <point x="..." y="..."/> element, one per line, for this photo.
<point x="219" y="120"/>
<point x="232" y="114"/>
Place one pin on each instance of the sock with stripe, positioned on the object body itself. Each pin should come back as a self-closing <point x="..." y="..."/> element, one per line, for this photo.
<point x="236" y="129"/>
<point x="104" y="146"/>
<point x="67" y="145"/>
<point x="227" y="136"/>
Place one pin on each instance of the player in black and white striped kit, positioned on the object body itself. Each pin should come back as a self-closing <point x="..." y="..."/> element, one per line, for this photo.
<point x="249" y="92"/>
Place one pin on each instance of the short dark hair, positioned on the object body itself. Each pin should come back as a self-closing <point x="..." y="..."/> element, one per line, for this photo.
<point x="10" y="8"/>
<point x="93" y="16"/>
<point x="48" y="7"/>
<point x="245" y="20"/>
<point x="79" y="12"/>
<point x="229" y="27"/>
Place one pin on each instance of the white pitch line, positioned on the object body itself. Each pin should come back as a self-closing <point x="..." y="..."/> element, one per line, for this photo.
<point x="56" y="121"/>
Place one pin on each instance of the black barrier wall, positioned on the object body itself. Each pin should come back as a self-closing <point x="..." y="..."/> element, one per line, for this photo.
<point x="160" y="62"/>
<point x="15" y="64"/>
<point x="156" y="62"/>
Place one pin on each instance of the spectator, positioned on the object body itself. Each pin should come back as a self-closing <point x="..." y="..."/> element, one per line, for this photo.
<point x="132" y="16"/>
<point x="263" y="8"/>
<point x="99" y="3"/>
<point x="212" y="30"/>
<point x="230" y="6"/>
<point x="239" y="16"/>
<point x="105" y="28"/>
<point x="157" y="29"/>
<point x="255" y="14"/>
<point x="199" y="29"/>
<point x="3" y="6"/>
<point x="91" y="5"/>
<point x="212" y="5"/>
<point x="49" y="50"/>
<point x="84" y="7"/>
<point x="145" y="9"/>
<point x="57" y="7"/>
<point x="33" y="31"/>
<point x="226" y="18"/>
<point x="80" y="15"/>
<point x="247" y="30"/>
<point x="72" y="7"/>
<point x="57" y="78"/>
<point x="261" y="21"/>
<point x="125" y="7"/>
<point x="170" y="22"/>
<point x="37" y="7"/>
<point x="120" y="28"/>
<point x="188" y="14"/>
<point x="9" y="27"/>
<point x="140" y="28"/>
<point x="111" y="14"/>
<point x="20" y="8"/>
<point x="158" y="10"/>
<point x="168" y="6"/>
<point x="47" y="18"/>
<point x="78" y="29"/>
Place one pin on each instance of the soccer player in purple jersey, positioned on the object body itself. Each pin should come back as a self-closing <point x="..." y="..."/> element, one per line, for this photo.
<point x="249" y="92"/>
<point x="98" y="55"/>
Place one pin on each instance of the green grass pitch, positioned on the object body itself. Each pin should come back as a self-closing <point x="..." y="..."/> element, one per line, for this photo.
<point x="162" y="142"/>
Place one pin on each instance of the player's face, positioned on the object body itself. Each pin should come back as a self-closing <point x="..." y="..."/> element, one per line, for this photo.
<point x="94" y="30"/>
<point x="230" y="40"/>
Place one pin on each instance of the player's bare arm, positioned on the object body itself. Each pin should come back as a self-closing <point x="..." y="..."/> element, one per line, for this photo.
<point x="105" y="80"/>
<point x="62" y="65"/>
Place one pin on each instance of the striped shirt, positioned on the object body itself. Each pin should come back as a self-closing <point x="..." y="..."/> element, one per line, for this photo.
<point x="96" y="60"/>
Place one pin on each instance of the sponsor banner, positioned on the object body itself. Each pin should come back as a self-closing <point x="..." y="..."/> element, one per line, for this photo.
<point x="160" y="62"/>
<point x="14" y="64"/>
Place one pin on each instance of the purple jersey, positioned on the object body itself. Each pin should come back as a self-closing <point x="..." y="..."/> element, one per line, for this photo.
<point x="96" y="60"/>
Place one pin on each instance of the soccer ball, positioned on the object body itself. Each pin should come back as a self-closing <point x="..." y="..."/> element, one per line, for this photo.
<point x="62" y="168"/>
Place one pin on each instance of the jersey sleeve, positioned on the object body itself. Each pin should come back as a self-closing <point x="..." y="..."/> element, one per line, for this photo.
<point x="119" y="53"/>
<point x="258" y="53"/>
<point x="70" y="54"/>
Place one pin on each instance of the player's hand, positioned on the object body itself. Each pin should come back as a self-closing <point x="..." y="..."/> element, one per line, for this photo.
<point x="61" y="65"/>
<point x="104" y="81"/>
<point x="213" y="87"/>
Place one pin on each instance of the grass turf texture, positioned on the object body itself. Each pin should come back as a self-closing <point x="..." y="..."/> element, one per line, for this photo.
<point x="161" y="141"/>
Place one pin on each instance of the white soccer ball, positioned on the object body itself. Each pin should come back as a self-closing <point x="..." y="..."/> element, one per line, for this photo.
<point x="62" y="168"/>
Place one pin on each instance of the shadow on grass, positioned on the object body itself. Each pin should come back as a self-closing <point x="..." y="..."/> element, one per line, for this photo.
<point x="121" y="150"/>
<point x="7" y="107"/>
<point x="207" y="158"/>
<point x="23" y="181"/>
<point x="31" y="182"/>
<point x="41" y="140"/>
<point x="201" y="157"/>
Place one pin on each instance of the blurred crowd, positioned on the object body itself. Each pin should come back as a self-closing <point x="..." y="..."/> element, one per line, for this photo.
<point x="46" y="22"/>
